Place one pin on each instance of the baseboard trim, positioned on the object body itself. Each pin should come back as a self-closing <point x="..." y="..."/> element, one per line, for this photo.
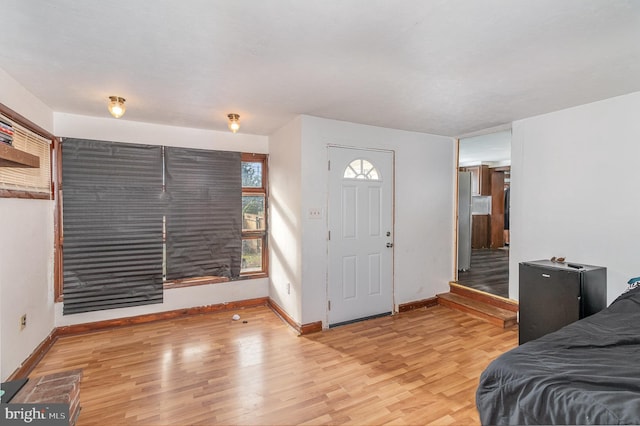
<point x="32" y="360"/>
<point x="301" y="329"/>
<point x="312" y="327"/>
<point x="39" y="352"/>
<point x="417" y="304"/>
<point x="159" y="316"/>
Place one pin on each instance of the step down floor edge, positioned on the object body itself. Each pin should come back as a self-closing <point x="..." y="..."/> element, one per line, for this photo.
<point x="495" y="315"/>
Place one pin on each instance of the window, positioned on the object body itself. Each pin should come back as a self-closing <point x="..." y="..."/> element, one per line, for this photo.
<point x="361" y="169"/>
<point x="17" y="181"/>
<point x="206" y="214"/>
<point x="254" y="214"/>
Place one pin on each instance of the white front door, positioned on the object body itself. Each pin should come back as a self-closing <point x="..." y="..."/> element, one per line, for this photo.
<point x="360" y="216"/>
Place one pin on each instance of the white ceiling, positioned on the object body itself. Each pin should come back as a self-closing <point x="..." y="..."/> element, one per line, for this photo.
<point x="493" y="149"/>
<point x="448" y="67"/>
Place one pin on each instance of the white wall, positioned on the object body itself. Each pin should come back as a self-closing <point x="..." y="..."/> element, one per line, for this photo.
<point x="20" y="100"/>
<point x="285" y="222"/>
<point x="177" y="298"/>
<point x="425" y="168"/>
<point x="26" y="274"/>
<point x="109" y="129"/>
<point x="26" y="251"/>
<point x="574" y="180"/>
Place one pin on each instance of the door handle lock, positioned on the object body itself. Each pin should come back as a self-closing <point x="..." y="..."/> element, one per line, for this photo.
<point x="389" y="245"/>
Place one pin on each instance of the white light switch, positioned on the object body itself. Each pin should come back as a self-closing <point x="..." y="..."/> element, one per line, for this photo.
<point x="315" y="213"/>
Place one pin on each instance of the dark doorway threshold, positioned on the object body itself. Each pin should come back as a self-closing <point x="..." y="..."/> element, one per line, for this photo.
<point x="384" y="314"/>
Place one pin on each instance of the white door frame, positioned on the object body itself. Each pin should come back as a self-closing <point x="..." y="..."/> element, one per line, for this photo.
<point x="393" y="307"/>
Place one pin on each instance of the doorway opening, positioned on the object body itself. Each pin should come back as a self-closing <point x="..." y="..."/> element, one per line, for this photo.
<point x="484" y="187"/>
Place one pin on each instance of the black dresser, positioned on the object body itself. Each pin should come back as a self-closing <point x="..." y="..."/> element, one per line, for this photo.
<point x="553" y="295"/>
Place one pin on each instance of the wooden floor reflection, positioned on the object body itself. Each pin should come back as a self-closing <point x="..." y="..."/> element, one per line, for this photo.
<point x="419" y="367"/>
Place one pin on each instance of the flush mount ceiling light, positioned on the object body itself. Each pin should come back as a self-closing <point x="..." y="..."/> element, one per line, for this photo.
<point x="234" y="122"/>
<point x="117" y="106"/>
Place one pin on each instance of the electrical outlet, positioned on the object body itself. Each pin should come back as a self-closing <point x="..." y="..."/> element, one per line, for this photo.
<point x="23" y="321"/>
<point x="288" y="288"/>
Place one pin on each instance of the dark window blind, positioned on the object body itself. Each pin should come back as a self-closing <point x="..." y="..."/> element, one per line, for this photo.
<point x="204" y="229"/>
<point x="112" y="225"/>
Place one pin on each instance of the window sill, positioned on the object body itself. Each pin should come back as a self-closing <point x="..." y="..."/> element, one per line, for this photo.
<point x="13" y="193"/>
<point x="191" y="282"/>
<point x="253" y="276"/>
<point x="188" y="282"/>
<point x="12" y="157"/>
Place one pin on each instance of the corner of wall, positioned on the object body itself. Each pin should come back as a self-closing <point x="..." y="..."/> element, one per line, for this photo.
<point x="285" y="229"/>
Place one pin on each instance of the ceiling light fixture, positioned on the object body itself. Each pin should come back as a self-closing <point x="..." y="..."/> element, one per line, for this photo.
<point x="234" y="122"/>
<point x="116" y="106"/>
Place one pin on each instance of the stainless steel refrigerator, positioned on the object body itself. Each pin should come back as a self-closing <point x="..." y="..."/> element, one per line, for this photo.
<point x="464" y="221"/>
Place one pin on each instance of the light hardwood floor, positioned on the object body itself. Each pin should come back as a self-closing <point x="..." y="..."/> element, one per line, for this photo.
<point x="419" y="367"/>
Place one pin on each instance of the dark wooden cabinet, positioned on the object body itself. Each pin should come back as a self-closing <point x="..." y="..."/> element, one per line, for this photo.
<point x="480" y="179"/>
<point x="489" y="231"/>
<point x="553" y="295"/>
<point x="497" y="209"/>
<point x="480" y="231"/>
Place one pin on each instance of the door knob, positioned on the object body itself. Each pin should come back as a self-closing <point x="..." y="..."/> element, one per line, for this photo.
<point x="389" y="245"/>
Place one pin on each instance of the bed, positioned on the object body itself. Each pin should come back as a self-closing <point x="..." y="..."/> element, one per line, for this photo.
<point x="585" y="373"/>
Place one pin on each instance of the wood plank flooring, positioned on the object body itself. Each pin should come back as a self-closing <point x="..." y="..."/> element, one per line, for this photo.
<point x="489" y="271"/>
<point x="418" y="367"/>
